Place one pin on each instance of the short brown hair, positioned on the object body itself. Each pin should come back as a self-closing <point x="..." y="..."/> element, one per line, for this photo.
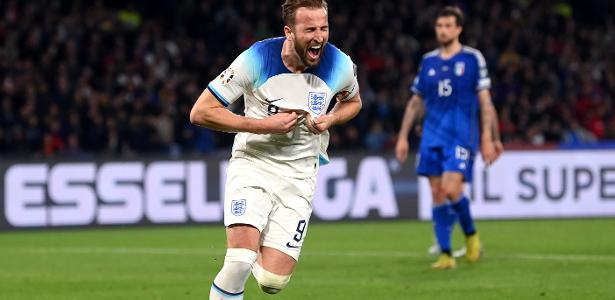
<point x="290" y="7"/>
<point x="452" y="11"/>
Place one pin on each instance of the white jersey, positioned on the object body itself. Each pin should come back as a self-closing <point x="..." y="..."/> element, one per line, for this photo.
<point x="269" y="87"/>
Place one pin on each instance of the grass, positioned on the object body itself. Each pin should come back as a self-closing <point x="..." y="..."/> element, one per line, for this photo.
<point x="529" y="259"/>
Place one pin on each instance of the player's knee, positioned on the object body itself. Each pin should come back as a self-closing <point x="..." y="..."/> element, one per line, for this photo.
<point x="438" y="197"/>
<point x="452" y="191"/>
<point x="268" y="282"/>
<point x="237" y="264"/>
<point x="240" y="255"/>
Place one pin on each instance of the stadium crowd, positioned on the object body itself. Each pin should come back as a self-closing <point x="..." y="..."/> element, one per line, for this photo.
<point x="120" y="77"/>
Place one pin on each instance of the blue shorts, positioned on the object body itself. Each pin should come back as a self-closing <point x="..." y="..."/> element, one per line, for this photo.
<point x="437" y="160"/>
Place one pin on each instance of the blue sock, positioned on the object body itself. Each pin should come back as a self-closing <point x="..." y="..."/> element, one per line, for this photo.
<point x="462" y="208"/>
<point x="443" y="220"/>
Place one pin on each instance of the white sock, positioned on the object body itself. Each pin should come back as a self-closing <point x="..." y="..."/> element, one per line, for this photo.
<point x="230" y="281"/>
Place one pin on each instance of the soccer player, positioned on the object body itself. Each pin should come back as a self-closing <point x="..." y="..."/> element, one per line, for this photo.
<point x="453" y="84"/>
<point x="287" y="84"/>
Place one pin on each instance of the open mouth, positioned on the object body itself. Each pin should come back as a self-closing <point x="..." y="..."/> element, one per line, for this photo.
<point x="314" y="52"/>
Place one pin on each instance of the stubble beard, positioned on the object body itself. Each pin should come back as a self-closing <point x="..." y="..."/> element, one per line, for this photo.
<point x="303" y="55"/>
<point x="446" y="43"/>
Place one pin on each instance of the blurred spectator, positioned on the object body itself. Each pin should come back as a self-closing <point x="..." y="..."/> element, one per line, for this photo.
<point x="120" y="77"/>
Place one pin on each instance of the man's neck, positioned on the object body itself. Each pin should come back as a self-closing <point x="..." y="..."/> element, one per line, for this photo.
<point x="449" y="50"/>
<point x="291" y="58"/>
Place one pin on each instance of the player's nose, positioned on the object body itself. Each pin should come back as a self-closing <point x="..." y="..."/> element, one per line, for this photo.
<point x="319" y="36"/>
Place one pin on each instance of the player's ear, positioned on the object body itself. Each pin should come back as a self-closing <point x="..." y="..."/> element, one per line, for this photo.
<point x="288" y="32"/>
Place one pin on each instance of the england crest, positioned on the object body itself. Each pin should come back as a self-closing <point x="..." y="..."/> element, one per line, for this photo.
<point x="316" y="102"/>
<point x="238" y="207"/>
<point x="459" y="68"/>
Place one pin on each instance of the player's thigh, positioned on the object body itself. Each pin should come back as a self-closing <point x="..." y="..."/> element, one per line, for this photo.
<point x="459" y="159"/>
<point x="243" y="236"/>
<point x="282" y="238"/>
<point x="276" y="261"/>
<point x="286" y="230"/>
<point x="247" y="205"/>
<point x="452" y="184"/>
<point x="430" y="162"/>
<point x="458" y="167"/>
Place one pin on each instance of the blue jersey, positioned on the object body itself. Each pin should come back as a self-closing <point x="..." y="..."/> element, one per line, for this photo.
<point x="449" y="88"/>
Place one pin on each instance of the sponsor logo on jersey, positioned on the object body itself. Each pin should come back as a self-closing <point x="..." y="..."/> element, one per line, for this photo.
<point x="316" y="102"/>
<point x="431" y="72"/>
<point x="272" y="100"/>
<point x="459" y="68"/>
<point x="238" y="207"/>
<point x="226" y="76"/>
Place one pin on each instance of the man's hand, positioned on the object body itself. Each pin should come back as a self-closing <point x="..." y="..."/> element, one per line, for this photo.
<point x="401" y="149"/>
<point x="319" y="124"/>
<point x="491" y="151"/>
<point x="280" y="123"/>
<point x="499" y="148"/>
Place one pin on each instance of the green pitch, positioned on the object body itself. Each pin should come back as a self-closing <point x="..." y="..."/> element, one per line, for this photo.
<point x="558" y="259"/>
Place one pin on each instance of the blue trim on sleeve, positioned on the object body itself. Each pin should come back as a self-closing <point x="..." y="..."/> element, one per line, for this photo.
<point x="217" y="95"/>
<point x="414" y="87"/>
<point x="225" y="293"/>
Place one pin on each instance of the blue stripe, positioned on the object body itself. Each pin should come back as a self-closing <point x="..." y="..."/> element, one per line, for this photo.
<point x="217" y="95"/>
<point x="265" y="58"/>
<point x="225" y="293"/>
<point x="333" y="67"/>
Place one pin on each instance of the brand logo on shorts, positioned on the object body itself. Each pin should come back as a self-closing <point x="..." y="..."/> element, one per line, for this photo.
<point x="461" y="153"/>
<point x="238" y="207"/>
<point x="316" y="102"/>
<point x="289" y="245"/>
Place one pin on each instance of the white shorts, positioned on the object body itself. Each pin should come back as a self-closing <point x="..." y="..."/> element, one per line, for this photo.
<point x="279" y="207"/>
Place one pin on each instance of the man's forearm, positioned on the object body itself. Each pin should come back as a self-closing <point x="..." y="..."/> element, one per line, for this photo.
<point x="495" y="124"/>
<point x="487" y="123"/>
<point x="489" y="118"/>
<point x="344" y="111"/>
<point x="413" y="109"/>
<point x="206" y="112"/>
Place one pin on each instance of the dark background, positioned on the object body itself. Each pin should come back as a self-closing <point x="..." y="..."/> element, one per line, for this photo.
<point x="81" y="79"/>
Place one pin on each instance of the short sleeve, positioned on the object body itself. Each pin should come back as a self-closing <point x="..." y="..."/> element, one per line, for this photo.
<point x="418" y="86"/>
<point x="351" y="84"/>
<point x="483" y="81"/>
<point x="235" y="80"/>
